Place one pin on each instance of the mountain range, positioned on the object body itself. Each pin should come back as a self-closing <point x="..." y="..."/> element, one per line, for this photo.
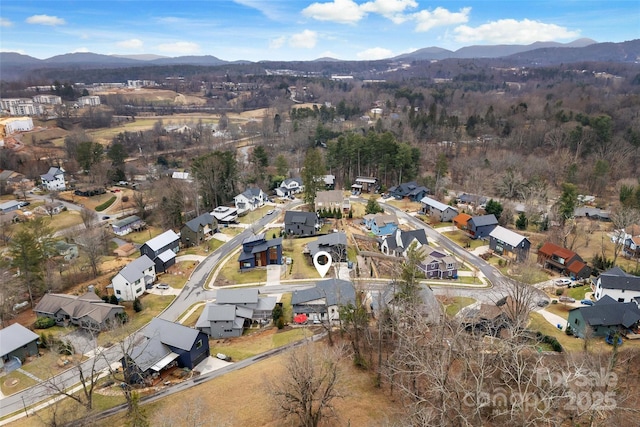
<point x="13" y="65"/>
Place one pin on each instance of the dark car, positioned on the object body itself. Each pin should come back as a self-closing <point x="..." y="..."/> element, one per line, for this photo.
<point x="543" y="303"/>
<point x="586" y="302"/>
<point x="23" y="204"/>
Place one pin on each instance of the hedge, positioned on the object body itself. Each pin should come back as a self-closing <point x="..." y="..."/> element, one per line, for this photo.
<point x="44" y="323"/>
<point x="106" y="204"/>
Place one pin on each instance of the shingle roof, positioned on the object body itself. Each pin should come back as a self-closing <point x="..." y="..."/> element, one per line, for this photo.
<point x="173" y="334"/>
<point x="200" y="221"/>
<point x="14" y="337"/>
<point x="336" y="291"/>
<point x="608" y="312"/>
<point x="550" y="249"/>
<point x="296" y="217"/>
<point x="162" y="240"/>
<point x="126" y="221"/>
<point x="482" y="220"/>
<point x="330" y="240"/>
<point x="76" y="307"/>
<point x="133" y="271"/>
<point x="51" y="174"/>
<point x="507" y="236"/>
<point x="616" y="278"/>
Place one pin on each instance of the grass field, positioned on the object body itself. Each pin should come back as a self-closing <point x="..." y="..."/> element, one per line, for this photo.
<point x="193" y="317"/>
<point x="458" y="304"/>
<point x="14" y="382"/>
<point x="579" y="292"/>
<point x="300" y="268"/>
<point x="464" y="241"/>
<point x="230" y="273"/>
<point x="263" y="340"/>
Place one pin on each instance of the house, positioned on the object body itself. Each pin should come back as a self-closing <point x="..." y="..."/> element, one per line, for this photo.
<point x="381" y="224"/>
<point x="461" y="220"/>
<point x="508" y="243"/>
<point x="329" y="181"/>
<point x="235" y="310"/>
<point x="181" y="175"/>
<point x="67" y="251"/>
<point x="398" y="243"/>
<point x="472" y="199"/>
<point x="127" y="225"/>
<point x="562" y="260"/>
<point x="164" y="345"/>
<point x="10" y="206"/>
<point x="438" y="210"/>
<point x="298" y="223"/>
<point x="629" y="238"/>
<point x="604" y="318"/>
<point x="50" y="209"/>
<point x="331" y="200"/>
<point x="16" y="344"/>
<point x="91" y="101"/>
<point x="367" y="184"/>
<point x="437" y="264"/>
<point x="631" y="247"/>
<point x="125" y="250"/>
<point x="322" y="302"/>
<point x="133" y="279"/>
<point x="592" y="213"/>
<point x="257" y="251"/>
<point x="617" y="284"/>
<point x="54" y="179"/>
<point x="250" y="200"/>
<point x="410" y="190"/>
<point x="225" y="214"/>
<point x="480" y="226"/>
<point x="429" y="307"/>
<point x="86" y="311"/>
<point x="162" y="250"/>
<point x="198" y="230"/>
<point x="333" y="243"/>
<point x="289" y="187"/>
<point x="487" y="319"/>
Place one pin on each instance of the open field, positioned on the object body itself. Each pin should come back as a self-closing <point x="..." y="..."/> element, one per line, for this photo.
<point x="301" y="268"/>
<point x="464" y="241"/>
<point x="256" y="341"/>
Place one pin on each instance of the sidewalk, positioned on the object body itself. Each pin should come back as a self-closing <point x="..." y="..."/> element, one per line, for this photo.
<point x="554" y="319"/>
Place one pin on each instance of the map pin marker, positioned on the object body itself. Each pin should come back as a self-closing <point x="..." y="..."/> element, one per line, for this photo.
<point x="322" y="260"/>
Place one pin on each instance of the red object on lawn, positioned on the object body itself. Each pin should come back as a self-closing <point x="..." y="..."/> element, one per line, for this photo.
<point x="300" y="318"/>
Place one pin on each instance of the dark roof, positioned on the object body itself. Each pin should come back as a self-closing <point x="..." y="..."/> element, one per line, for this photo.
<point x="126" y="221"/>
<point x="297" y="217"/>
<point x="172" y="334"/>
<point x="336" y="292"/>
<point x="472" y="198"/>
<point x="134" y="270"/>
<point x="482" y="220"/>
<point x="328" y="240"/>
<point x="616" y="278"/>
<point x="200" y="221"/>
<point x="254" y="238"/>
<point x="609" y="312"/>
<point x="266" y="245"/>
<point x="408" y="236"/>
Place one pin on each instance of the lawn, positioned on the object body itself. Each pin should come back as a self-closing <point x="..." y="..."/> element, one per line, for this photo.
<point x="463" y="240"/>
<point x="50" y="363"/>
<point x="177" y="281"/>
<point x="193" y="317"/>
<point x="287" y="308"/>
<point x="457" y="304"/>
<point x="254" y="216"/>
<point x="141" y="237"/>
<point x="64" y="220"/>
<point x="230" y="273"/>
<point x="300" y="269"/>
<point x="405" y="205"/>
<point x="255" y="343"/>
<point x="14" y="382"/>
<point x="560" y="309"/>
<point x="579" y="292"/>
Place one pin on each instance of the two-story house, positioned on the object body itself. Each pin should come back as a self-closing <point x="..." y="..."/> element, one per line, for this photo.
<point x="381" y="224"/>
<point x="162" y="250"/>
<point x="480" y="226"/>
<point x="53" y="180"/>
<point x="257" y="251"/>
<point x="398" y="243"/>
<point x="197" y="230"/>
<point x="322" y="302"/>
<point x="332" y="243"/>
<point x="617" y="284"/>
<point x="297" y="223"/>
<point x="289" y="187"/>
<point x="410" y="190"/>
<point x="509" y="243"/>
<point x="438" y="210"/>
<point x="563" y="260"/>
<point x="437" y="264"/>
<point x="250" y="200"/>
<point x="133" y="279"/>
<point x="127" y="225"/>
<point x="330" y="200"/>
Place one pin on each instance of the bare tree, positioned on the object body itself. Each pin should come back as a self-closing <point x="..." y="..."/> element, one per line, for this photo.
<point x="89" y="218"/>
<point x="309" y="386"/>
<point x="621" y="219"/>
<point x="92" y="243"/>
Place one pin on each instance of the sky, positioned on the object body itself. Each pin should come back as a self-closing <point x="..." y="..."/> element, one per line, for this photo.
<point x="287" y="30"/>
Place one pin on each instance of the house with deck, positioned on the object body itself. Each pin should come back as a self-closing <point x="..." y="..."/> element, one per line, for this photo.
<point x="199" y="229"/>
<point x="605" y="317"/>
<point x="257" y="251"/>
<point x="437" y="264"/>
<point x="381" y="224"/>
<point x="509" y="244"/>
<point x="128" y="225"/>
<point x="87" y="311"/>
<point x="133" y="279"/>
<point x="225" y="214"/>
<point x="367" y="184"/>
<point x="162" y="250"/>
<point x="322" y="302"/>
<point x="410" y="190"/>
<point x="437" y="210"/>
<point x="331" y="200"/>
<point x="563" y="260"/>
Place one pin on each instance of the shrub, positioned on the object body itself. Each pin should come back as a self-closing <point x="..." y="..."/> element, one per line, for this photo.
<point x="569" y="331"/>
<point x="137" y="305"/>
<point x="113" y="300"/>
<point x="125" y="199"/>
<point x="559" y="292"/>
<point x="44" y="323"/>
<point x="280" y="323"/>
<point x="554" y="301"/>
<point x="65" y="348"/>
<point x="106" y="204"/>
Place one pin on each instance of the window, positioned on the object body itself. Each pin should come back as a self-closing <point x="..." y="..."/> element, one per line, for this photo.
<point x="576" y="322"/>
<point x="620" y="299"/>
<point x="139" y="290"/>
<point x="199" y="344"/>
<point x="118" y="292"/>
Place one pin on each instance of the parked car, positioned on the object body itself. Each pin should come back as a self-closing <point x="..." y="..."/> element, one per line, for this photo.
<point x="562" y="282"/>
<point x="270" y="212"/>
<point x="566" y="299"/>
<point x="586" y="302"/>
<point x="23" y="204"/>
<point x="224" y="357"/>
<point x="162" y="286"/>
<point x="543" y="303"/>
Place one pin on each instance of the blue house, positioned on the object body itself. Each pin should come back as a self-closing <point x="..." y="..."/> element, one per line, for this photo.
<point x="381" y="224"/>
<point x="257" y="251"/>
<point x="410" y="190"/>
<point x="165" y="344"/>
<point x="480" y="226"/>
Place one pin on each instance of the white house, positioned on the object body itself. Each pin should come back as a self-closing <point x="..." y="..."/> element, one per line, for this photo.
<point x="47" y="99"/>
<point x="398" y="243"/>
<point x="620" y="286"/>
<point x="133" y="279"/>
<point x="289" y="186"/>
<point x="250" y="200"/>
<point x="92" y="100"/>
<point x="12" y="125"/>
<point x="54" y="179"/>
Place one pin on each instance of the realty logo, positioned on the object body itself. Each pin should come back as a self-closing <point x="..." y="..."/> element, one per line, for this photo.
<point x="322" y="260"/>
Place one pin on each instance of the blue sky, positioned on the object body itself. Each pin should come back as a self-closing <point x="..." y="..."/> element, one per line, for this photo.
<point x="300" y="29"/>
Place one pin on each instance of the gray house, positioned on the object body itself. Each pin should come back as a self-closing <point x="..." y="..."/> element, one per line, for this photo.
<point x="509" y="244"/>
<point x="398" y="243"/>
<point x="605" y="317"/>
<point x="16" y="344"/>
<point x="162" y="250"/>
<point x="438" y="210"/>
<point x="480" y="226"/>
<point x="301" y="223"/>
<point x="198" y="229"/>
<point x="333" y="243"/>
<point x="86" y="311"/>
<point x="322" y="302"/>
<point x="220" y="321"/>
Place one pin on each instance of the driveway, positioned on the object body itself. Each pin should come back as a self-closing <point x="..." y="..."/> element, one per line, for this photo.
<point x="81" y="340"/>
<point x="554" y="319"/>
<point x="273" y="274"/>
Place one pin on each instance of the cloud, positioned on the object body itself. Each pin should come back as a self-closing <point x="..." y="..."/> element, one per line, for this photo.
<point x="340" y="11"/>
<point x="277" y="43"/>
<point x="439" y="17"/>
<point x="306" y="39"/>
<point x="130" y="44"/>
<point x="391" y="9"/>
<point x="180" y="48"/>
<point x="374" y="53"/>
<point x="268" y="9"/>
<point x="4" y="22"/>
<point x="512" y="31"/>
<point x="80" y="50"/>
<point x="45" y="20"/>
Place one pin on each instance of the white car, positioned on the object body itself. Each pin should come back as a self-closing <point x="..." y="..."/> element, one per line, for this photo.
<point x="270" y="212"/>
<point x="162" y="286"/>
<point x="562" y="282"/>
